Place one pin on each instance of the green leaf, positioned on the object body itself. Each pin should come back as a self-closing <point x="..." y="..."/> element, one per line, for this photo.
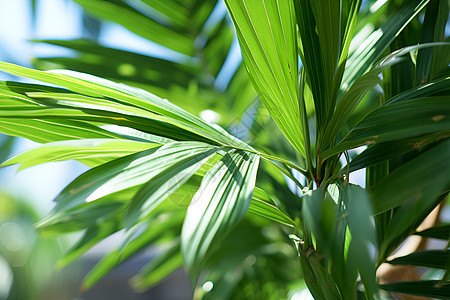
<point x="263" y="206"/>
<point x="348" y="104"/>
<point x="382" y="152"/>
<point x="437" y="232"/>
<point x="435" y="19"/>
<point x="334" y="22"/>
<point x="396" y="121"/>
<point x="439" y="85"/>
<point x="266" y="33"/>
<point x="122" y="98"/>
<point x="319" y="215"/>
<point x="221" y="201"/>
<point x="319" y="281"/>
<point x="120" y="65"/>
<point x="135" y="21"/>
<point x="42" y="131"/>
<point x="218" y="46"/>
<point x="363" y="84"/>
<point x="133" y="134"/>
<point x="311" y="56"/>
<point x="327" y="18"/>
<point x="323" y="222"/>
<point x="92" y="152"/>
<point x="362" y="235"/>
<point x="372" y="48"/>
<point x="425" y="288"/>
<point x="414" y="183"/>
<point x="103" y="117"/>
<point x="85" y="215"/>
<point x="126" y="172"/>
<point x="108" y="111"/>
<point x="13" y="96"/>
<point x="172" y="10"/>
<point x="159" y="187"/>
<point x="414" y="189"/>
<point x="429" y="259"/>
<point x="284" y="168"/>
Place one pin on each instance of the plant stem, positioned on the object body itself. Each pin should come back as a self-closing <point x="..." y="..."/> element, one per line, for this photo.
<point x="304" y="117"/>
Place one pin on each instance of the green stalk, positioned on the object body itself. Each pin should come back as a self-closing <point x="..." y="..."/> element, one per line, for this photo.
<point x="304" y="118"/>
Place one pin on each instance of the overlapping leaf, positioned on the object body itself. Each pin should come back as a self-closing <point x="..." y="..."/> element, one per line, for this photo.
<point x="263" y="206"/>
<point x="362" y="235"/>
<point x="363" y="84"/>
<point x="188" y="81"/>
<point x="221" y="201"/>
<point x="396" y="121"/>
<point x="156" y="168"/>
<point x="372" y="48"/>
<point x="266" y="32"/>
<point x="325" y="31"/>
<point x="422" y="178"/>
<point x="339" y="220"/>
<point x="120" y="65"/>
<point x="162" y="185"/>
<point x="160" y="156"/>
<point x="118" y="98"/>
<point x="383" y="152"/>
<point x="414" y="189"/>
<point x="126" y="172"/>
<point x="429" y="62"/>
<point x="134" y="20"/>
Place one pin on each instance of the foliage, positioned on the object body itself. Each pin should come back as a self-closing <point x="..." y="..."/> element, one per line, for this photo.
<point x="332" y="75"/>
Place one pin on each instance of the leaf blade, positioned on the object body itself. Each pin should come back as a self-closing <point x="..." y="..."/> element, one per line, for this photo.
<point x="267" y="38"/>
<point x="221" y="201"/>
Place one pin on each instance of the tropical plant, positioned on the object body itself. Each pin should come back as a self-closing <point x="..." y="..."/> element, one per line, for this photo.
<point x="333" y="75"/>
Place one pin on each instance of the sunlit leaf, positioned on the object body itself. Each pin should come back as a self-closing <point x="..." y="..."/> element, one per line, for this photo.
<point x="221" y="201"/>
<point x="92" y="152"/>
<point x="263" y="206"/>
<point x="126" y="172"/>
<point x="163" y="185"/>
<point x="266" y="33"/>
<point x="372" y="48"/>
